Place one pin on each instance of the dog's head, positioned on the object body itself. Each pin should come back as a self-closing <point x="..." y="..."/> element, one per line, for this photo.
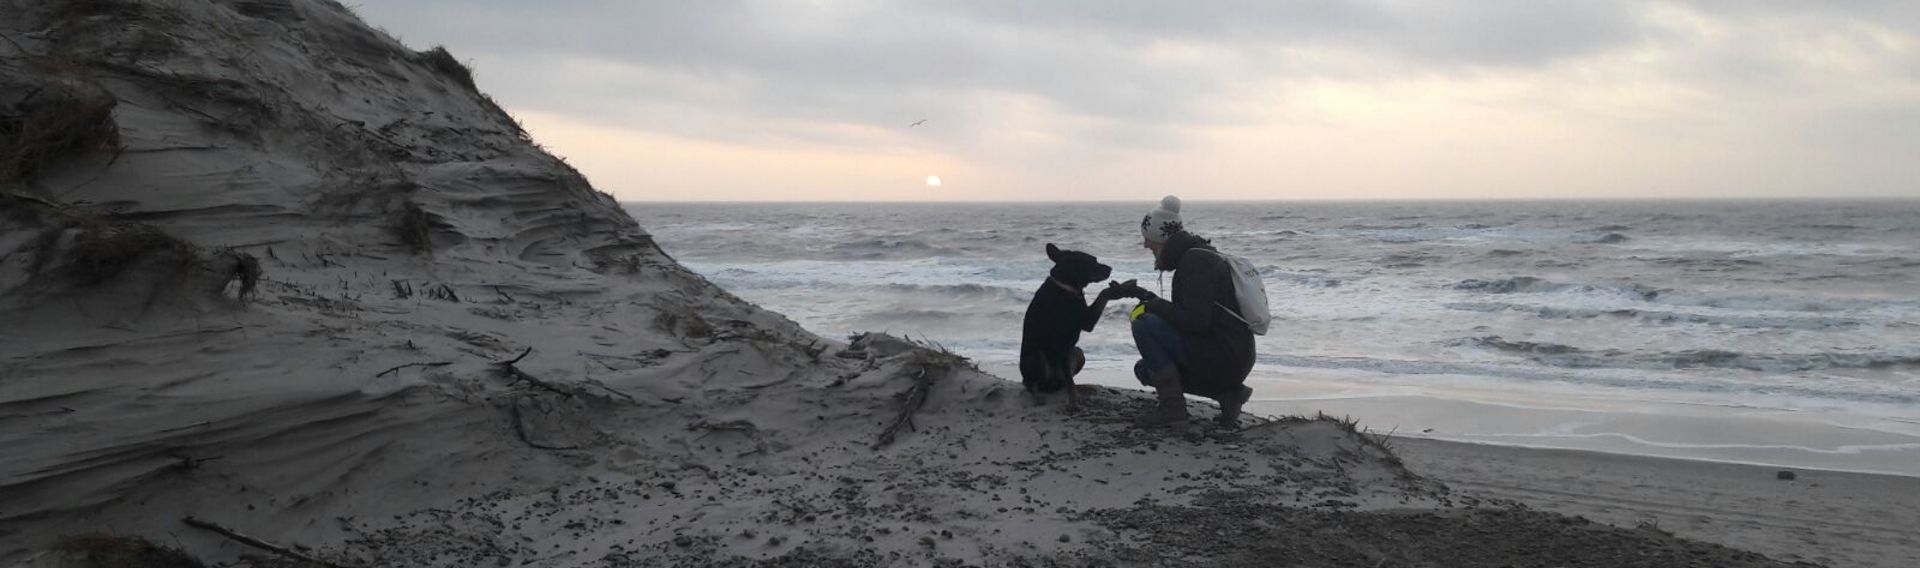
<point x="1075" y="268"/>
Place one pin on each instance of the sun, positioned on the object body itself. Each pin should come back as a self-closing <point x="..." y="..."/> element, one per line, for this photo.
<point x="933" y="181"/>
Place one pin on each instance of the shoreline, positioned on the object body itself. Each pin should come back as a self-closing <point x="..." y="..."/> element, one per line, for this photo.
<point x="1834" y="518"/>
<point x="1726" y="434"/>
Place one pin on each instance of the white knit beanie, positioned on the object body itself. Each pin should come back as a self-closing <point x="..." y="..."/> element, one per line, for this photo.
<point x="1162" y="222"/>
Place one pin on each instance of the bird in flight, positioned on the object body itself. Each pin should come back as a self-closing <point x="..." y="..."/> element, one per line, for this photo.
<point x="922" y="121"/>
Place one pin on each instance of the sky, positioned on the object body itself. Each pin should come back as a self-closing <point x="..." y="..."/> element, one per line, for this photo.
<point x="822" y="100"/>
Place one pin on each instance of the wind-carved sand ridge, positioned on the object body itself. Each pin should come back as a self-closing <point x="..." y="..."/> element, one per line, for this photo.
<point x="270" y="270"/>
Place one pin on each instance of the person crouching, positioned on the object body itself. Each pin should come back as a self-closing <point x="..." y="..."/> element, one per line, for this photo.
<point x="1187" y="344"/>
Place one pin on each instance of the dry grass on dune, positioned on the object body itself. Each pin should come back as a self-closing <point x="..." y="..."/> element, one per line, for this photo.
<point x="55" y="121"/>
<point x="442" y="61"/>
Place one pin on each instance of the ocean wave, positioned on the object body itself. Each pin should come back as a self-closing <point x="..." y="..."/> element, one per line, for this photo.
<point x="887" y="248"/>
<point x="1658" y="317"/>
<point x="1606" y="239"/>
<point x="1406" y="260"/>
<point x="1532" y="285"/>
<point x="1508" y="285"/>
<point x="1783" y="304"/>
<point x="1273" y="274"/>
<point x="1627" y="379"/>
<point x="1557" y="355"/>
<point x="927" y="315"/>
<point x="1710" y="262"/>
<point x="968" y="291"/>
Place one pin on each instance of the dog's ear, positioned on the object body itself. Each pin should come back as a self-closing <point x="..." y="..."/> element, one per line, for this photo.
<point x="1053" y="252"/>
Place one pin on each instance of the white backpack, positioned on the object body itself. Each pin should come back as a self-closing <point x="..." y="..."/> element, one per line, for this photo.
<point x="1250" y="290"/>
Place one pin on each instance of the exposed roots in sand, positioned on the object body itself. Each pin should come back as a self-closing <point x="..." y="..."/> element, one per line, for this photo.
<point x="916" y="397"/>
<point x="80" y="251"/>
<point x="58" y="119"/>
<point x="92" y="250"/>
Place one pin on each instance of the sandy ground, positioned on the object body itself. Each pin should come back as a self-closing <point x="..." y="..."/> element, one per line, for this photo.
<point x="1831" y="518"/>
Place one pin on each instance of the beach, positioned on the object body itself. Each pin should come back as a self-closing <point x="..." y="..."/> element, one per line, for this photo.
<point x="295" y="293"/>
<point x="1825" y="517"/>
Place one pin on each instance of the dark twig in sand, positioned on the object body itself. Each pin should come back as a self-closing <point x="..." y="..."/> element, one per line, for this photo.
<point x="257" y="543"/>
<point x="507" y="368"/>
<point x="397" y="369"/>
<point x="916" y="397"/>
<point x="511" y="362"/>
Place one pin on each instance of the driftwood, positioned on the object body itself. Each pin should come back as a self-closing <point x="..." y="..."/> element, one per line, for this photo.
<point x="916" y="397"/>
<point x="257" y="543"/>
<point x="396" y="369"/>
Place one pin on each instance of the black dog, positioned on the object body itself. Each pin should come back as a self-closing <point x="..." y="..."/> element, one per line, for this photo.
<point x="1049" y="357"/>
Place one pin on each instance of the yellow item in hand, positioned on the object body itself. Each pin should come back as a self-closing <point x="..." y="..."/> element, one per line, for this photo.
<point x="1138" y="310"/>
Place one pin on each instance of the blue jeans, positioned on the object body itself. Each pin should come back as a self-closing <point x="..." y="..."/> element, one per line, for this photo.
<point x="1159" y="345"/>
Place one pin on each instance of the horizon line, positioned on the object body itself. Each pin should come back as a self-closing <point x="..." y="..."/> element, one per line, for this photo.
<point x="1283" y="200"/>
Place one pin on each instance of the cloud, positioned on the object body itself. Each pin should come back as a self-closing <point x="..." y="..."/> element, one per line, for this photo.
<point x="1077" y="85"/>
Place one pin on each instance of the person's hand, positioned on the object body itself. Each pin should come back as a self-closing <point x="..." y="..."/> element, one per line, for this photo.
<point x="1128" y="289"/>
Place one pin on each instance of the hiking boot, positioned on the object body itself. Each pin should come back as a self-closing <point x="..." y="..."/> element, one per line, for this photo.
<point x="1172" y="403"/>
<point x="1230" y="407"/>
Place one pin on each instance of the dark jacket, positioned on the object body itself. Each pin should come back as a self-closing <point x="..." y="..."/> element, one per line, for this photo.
<point x="1219" y="347"/>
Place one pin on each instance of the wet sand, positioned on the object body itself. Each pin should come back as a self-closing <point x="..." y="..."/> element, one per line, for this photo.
<point x="1826" y="517"/>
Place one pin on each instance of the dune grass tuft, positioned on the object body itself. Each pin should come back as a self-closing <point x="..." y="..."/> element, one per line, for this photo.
<point x="102" y="252"/>
<point x="442" y="61"/>
<point x="52" y="123"/>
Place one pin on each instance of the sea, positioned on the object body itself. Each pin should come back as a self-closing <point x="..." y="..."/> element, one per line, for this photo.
<point x="1775" y="332"/>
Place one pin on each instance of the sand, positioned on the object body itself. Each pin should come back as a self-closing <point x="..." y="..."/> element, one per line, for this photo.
<point x="322" y="291"/>
<point x="1827" y="517"/>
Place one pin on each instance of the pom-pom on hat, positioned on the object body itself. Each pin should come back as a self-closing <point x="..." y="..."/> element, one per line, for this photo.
<point x="1161" y="223"/>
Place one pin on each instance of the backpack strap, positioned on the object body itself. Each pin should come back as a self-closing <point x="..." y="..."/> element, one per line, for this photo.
<point x="1223" y="307"/>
